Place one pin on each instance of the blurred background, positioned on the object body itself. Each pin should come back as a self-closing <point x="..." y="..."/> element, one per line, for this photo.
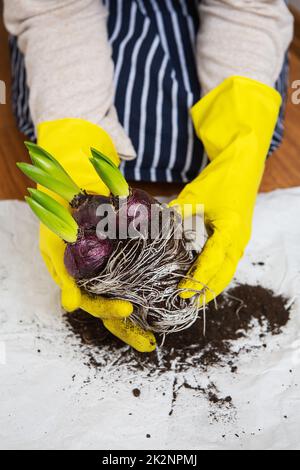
<point x="283" y="168"/>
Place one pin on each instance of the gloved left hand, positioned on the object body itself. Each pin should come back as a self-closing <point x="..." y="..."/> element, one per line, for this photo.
<point x="69" y="140"/>
<point x="235" y="122"/>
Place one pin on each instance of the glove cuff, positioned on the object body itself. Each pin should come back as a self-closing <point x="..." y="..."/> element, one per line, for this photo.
<point x="239" y="106"/>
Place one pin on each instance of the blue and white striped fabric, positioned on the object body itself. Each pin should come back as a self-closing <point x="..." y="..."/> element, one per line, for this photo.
<point x="156" y="82"/>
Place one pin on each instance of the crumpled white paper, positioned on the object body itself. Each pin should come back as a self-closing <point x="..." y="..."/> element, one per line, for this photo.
<point x="43" y="406"/>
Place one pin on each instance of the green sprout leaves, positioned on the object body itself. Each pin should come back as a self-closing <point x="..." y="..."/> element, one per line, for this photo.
<point x="98" y="154"/>
<point x="43" y="178"/>
<point x="48" y="172"/>
<point x="53" y="215"/>
<point x="110" y="174"/>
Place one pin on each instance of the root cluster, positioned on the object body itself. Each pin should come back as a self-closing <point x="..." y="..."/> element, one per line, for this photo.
<point x="147" y="272"/>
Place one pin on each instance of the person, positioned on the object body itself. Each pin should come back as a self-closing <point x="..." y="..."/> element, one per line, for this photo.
<point x="122" y="76"/>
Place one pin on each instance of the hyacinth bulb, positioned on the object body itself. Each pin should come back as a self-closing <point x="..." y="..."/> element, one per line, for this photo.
<point x="86" y="212"/>
<point x="137" y="199"/>
<point x="85" y="258"/>
<point x="135" y="211"/>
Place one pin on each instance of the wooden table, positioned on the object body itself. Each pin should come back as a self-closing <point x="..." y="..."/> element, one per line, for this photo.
<point x="282" y="171"/>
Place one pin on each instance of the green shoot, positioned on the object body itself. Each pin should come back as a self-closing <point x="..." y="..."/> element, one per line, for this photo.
<point x="111" y="176"/>
<point x="53" y="215"/>
<point x="46" y="162"/>
<point x="97" y="154"/>
<point x="41" y="177"/>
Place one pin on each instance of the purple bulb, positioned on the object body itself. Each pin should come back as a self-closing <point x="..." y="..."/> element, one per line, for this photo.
<point x="137" y="199"/>
<point x="135" y="211"/>
<point x="86" y="212"/>
<point x="85" y="258"/>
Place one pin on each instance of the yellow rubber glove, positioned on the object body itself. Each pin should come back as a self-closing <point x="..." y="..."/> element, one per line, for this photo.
<point x="70" y="140"/>
<point x="235" y="122"/>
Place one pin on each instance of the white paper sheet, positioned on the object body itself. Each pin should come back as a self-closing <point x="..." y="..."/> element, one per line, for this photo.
<point x="42" y="407"/>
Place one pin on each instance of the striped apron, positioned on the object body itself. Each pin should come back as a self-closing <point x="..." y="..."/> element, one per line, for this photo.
<point x="153" y="43"/>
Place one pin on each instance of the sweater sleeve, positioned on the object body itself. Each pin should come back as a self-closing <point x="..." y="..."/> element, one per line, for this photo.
<point x="242" y="37"/>
<point x="68" y="62"/>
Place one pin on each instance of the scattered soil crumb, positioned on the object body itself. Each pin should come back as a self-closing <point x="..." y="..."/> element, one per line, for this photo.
<point x="239" y="312"/>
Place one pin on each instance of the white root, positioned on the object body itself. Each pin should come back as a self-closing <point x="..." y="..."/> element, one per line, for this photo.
<point x="147" y="272"/>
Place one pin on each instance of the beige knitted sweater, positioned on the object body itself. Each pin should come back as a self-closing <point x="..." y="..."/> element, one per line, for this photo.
<point x="68" y="58"/>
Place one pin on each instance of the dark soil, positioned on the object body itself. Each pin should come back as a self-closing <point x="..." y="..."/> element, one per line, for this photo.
<point x="210" y="342"/>
<point x="231" y="320"/>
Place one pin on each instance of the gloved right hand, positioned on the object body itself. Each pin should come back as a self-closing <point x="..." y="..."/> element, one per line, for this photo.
<point x="235" y="122"/>
<point x="70" y="140"/>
